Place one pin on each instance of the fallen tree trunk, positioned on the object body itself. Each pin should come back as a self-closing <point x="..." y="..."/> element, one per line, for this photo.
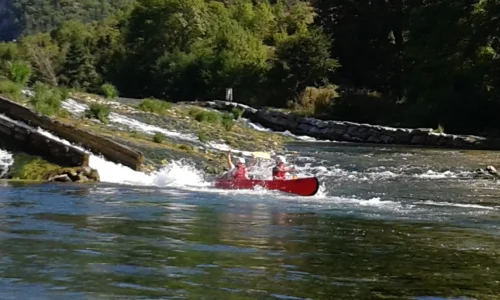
<point x="113" y="151"/>
<point x="33" y="142"/>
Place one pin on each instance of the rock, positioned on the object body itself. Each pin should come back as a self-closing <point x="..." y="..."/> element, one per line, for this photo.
<point x="355" y="132"/>
<point x="491" y="170"/>
<point x="433" y="139"/>
<point x="386" y="139"/>
<point x="60" y="178"/>
<point x="82" y="178"/>
<point x="422" y="131"/>
<point x="346" y="137"/>
<point x="418" y="140"/>
<point x="458" y="142"/>
<point x="489" y="173"/>
<point x="77" y="174"/>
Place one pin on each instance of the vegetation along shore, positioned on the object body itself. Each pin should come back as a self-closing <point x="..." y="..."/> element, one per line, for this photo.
<point x="388" y="64"/>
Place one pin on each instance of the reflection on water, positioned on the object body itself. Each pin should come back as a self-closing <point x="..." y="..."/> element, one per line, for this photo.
<point x="79" y="244"/>
<point x="371" y="235"/>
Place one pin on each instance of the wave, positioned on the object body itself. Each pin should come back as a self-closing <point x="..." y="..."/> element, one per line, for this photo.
<point x="177" y="173"/>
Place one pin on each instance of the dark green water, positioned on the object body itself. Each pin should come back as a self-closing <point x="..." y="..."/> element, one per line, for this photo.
<point x="391" y="223"/>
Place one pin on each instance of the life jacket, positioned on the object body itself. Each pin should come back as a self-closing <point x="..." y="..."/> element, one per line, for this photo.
<point x="278" y="173"/>
<point x="240" y="173"/>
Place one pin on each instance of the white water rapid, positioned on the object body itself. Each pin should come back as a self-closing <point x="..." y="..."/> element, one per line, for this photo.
<point x="6" y="160"/>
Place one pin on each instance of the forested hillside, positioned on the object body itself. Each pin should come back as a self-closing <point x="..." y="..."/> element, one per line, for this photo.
<point x="24" y="17"/>
<point x="395" y="62"/>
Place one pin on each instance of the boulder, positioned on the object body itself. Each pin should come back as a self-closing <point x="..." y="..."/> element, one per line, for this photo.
<point x="386" y="139"/>
<point x="418" y="140"/>
<point x="77" y="174"/>
<point x="488" y="173"/>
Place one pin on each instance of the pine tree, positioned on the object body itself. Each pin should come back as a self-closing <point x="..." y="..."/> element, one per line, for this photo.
<point x="79" y="69"/>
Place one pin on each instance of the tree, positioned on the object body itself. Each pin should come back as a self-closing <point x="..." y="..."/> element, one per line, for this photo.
<point x="43" y="55"/>
<point x="78" y="70"/>
<point x="300" y="61"/>
<point x="368" y="40"/>
<point x="26" y="17"/>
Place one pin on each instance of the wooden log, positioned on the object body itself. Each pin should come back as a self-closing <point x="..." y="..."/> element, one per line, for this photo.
<point x="33" y="142"/>
<point x="113" y="151"/>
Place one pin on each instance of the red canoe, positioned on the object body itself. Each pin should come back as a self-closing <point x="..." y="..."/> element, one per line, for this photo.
<point x="301" y="186"/>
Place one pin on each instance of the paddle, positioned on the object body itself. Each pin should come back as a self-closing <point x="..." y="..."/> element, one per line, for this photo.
<point x="264" y="155"/>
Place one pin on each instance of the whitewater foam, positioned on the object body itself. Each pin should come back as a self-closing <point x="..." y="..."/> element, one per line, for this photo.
<point x="461" y="205"/>
<point x="6" y="160"/>
<point x="130" y="123"/>
<point x="177" y="173"/>
<point x="259" y="127"/>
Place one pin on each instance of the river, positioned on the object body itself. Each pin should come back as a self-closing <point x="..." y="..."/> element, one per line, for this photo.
<point x="389" y="223"/>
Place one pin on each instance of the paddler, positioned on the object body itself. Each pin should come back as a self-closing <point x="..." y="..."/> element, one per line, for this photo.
<point x="280" y="171"/>
<point x="239" y="171"/>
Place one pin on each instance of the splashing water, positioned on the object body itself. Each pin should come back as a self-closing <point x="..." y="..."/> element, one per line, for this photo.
<point x="177" y="173"/>
<point x="6" y="160"/>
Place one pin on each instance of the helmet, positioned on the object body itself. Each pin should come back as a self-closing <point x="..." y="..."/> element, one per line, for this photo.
<point x="241" y="160"/>
<point x="281" y="159"/>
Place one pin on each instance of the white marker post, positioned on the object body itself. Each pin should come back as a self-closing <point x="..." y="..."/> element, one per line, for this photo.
<point x="229" y="94"/>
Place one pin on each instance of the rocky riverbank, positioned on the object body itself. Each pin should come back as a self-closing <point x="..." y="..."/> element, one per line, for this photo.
<point x="354" y="132"/>
<point x="180" y="132"/>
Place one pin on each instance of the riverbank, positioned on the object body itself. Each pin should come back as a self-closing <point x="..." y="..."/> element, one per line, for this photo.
<point x="175" y="133"/>
<point x="278" y="120"/>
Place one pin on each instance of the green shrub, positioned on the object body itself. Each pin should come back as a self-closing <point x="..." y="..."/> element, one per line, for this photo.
<point x="109" y="91"/>
<point x="440" y="129"/>
<point x="29" y="167"/>
<point x="211" y="117"/>
<point x="98" y="111"/>
<point x="315" y="101"/>
<point x="63" y="113"/>
<point x="155" y="106"/>
<point x="227" y="121"/>
<point x="18" y="71"/>
<point x="46" y="99"/>
<point x="203" y="137"/>
<point x="133" y="134"/>
<point x="237" y="113"/>
<point x="11" y="90"/>
<point x="185" y="147"/>
<point x="366" y="106"/>
<point x="158" y="137"/>
<point x="194" y="111"/>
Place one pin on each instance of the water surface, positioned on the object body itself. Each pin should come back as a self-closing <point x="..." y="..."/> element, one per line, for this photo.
<point x="390" y="223"/>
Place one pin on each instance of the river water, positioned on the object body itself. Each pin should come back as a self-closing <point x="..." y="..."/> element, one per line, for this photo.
<point x="388" y="223"/>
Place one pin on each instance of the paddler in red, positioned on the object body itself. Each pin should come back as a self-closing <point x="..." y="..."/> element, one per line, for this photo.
<point x="236" y="172"/>
<point x="280" y="171"/>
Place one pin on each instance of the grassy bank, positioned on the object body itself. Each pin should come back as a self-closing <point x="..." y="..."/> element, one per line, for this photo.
<point x="30" y="168"/>
<point x="204" y="126"/>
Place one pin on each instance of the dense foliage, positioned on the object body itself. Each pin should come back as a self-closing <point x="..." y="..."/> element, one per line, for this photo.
<point x="398" y="62"/>
<point x="24" y="17"/>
